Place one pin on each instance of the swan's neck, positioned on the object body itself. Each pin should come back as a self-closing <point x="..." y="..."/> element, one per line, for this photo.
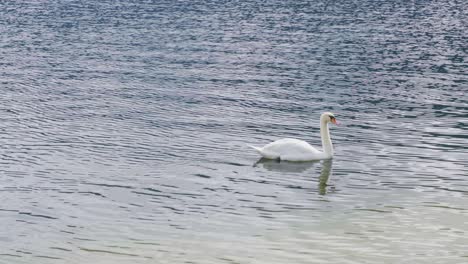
<point x="326" y="141"/>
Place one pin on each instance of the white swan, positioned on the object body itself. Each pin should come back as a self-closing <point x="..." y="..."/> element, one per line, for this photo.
<point x="297" y="150"/>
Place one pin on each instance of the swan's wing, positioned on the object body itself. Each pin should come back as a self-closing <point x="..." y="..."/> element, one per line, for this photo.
<point x="287" y="144"/>
<point x="290" y="147"/>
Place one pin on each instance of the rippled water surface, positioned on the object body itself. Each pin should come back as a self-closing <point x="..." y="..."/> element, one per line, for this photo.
<point x="124" y="128"/>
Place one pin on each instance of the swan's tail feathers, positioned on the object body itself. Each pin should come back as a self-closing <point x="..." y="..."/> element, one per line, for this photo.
<point x="259" y="150"/>
<point x="265" y="154"/>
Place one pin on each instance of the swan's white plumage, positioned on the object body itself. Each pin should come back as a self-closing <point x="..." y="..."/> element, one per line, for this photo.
<point x="291" y="149"/>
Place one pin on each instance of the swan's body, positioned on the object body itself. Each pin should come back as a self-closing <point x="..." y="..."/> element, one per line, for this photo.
<point x="297" y="150"/>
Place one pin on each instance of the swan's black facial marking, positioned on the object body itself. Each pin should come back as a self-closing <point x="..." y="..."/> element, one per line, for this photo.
<point x="332" y="119"/>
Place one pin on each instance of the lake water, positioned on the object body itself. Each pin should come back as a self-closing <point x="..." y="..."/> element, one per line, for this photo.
<point x="124" y="128"/>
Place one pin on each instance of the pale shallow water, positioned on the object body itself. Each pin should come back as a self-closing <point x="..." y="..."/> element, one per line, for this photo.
<point x="124" y="127"/>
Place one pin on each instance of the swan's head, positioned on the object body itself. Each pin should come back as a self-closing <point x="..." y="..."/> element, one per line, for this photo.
<point x="328" y="117"/>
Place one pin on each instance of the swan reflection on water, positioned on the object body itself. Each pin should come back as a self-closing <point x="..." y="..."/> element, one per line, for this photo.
<point x="299" y="167"/>
<point x="324" y="176"/>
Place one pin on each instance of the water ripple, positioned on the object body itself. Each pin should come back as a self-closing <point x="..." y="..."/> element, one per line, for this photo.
<point x="124" y="129"/>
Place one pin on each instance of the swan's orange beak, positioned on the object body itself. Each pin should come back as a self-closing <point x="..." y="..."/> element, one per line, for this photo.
<point x="333" y="120"/>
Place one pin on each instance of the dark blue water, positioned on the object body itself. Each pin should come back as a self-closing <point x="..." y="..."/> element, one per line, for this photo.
<point x="124" y="125"/>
